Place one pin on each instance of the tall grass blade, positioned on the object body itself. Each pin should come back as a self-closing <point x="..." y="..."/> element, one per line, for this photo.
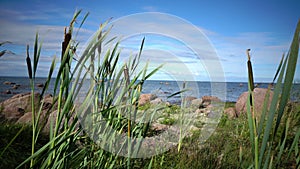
<point x="250" y="113"/>
<point x="278" y="69"/>
<point x="289" y="76"/>
<point x="295" y="145"/>
<point x="271" y="115"/>
<point x="282" y="145"/>
<point x="264" y="112"/>
<point x="12" y="140"/>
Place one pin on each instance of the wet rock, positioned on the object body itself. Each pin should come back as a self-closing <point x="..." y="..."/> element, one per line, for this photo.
<point x="8" y="92"/>
<point x="15" y="86"/>
<point x="40" y="85"/>
<point x="8" y="83"/>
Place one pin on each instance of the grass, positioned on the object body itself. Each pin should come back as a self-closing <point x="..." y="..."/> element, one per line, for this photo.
<point x="20" y="149"/>
<point x="263" y="142"/>
<point x="110" y="108"/>
<point x="228" y="147"/>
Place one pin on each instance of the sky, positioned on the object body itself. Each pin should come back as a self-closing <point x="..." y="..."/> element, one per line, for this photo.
<point x="195" y="40"/>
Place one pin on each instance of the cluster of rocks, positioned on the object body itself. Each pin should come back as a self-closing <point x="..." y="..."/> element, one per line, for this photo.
<point x="15" y="86"/>
<point x="204" y="103"/>
<point x="18" y="109"/>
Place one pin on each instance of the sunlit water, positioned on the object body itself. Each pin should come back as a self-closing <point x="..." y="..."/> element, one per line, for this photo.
<point x="162" y="89"/>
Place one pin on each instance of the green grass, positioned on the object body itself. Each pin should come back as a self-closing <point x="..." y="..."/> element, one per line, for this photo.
<point x="228" y="147"/>
<point x="20" y="149"/>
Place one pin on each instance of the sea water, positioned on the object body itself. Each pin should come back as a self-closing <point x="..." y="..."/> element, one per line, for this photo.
<point x="226" y="91"/>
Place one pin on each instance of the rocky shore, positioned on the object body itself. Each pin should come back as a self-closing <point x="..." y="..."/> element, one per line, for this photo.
<point x="17" y="109"/>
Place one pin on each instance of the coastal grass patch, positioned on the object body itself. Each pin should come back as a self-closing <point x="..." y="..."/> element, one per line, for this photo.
<point x="221" y="150"/>
<point x="228" y="147"/>
<point x="19" y="148"/>
<point x="229" y="104"/>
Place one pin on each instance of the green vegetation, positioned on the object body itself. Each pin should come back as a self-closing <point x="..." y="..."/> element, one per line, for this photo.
<point x="265" y="131"/>
<point x="112" y="98"/>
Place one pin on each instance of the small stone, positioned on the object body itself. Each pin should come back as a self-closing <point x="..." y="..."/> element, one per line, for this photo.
<point x="8" y="83"/>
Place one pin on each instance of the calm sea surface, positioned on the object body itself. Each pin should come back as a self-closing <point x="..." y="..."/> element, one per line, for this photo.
<point x="226" y="91"/>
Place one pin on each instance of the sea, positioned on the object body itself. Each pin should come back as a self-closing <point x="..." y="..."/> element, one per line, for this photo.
<point x="226" y="91"/>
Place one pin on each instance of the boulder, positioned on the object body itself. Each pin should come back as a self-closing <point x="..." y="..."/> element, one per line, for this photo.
<point x="188" y="100"/>
<point x="146" y="98"/>
<point x="26" y="118"/>
<point x="51" y="118"/>
<point x="230" y="112"/>
<point x="207" y="100"/>
<point x="17" y="106"/>
<point x="12" y="114"/>
<point x="156" y="101"/>
<point x="259" y="96"/>
<point x="196" y="103"/>
<point x="48" y="100"/>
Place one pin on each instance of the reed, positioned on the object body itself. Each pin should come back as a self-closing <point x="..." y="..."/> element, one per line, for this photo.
<point x="71" y="143"/>
<point x="264" y="131"/>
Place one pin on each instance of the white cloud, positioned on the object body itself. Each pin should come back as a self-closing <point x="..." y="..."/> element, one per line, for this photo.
<point x="20" y="35"/>
<point x="266" y="52"/>
<point x="185" y="40"/>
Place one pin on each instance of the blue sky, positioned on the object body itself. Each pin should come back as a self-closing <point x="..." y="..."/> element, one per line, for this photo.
<point x="230" y="26"/>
